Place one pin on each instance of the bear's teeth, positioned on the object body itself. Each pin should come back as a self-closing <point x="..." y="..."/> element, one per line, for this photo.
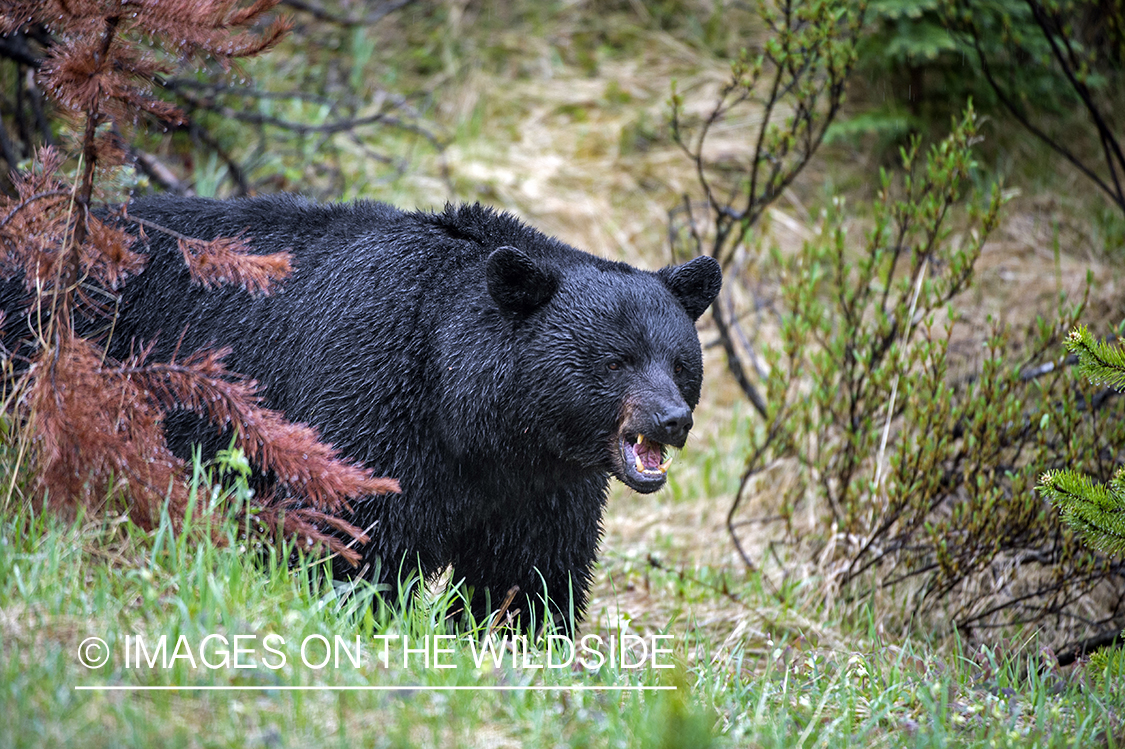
<point x="640" y="464"/>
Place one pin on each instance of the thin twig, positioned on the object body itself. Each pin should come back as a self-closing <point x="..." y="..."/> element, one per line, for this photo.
<point x="894" y="386"/>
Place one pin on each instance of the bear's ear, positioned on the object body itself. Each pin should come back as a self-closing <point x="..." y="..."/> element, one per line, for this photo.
<point x="695" y="283"/>
<point x="517" y="283"/>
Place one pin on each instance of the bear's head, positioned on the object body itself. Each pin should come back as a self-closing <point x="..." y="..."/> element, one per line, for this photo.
<point x="611" y="357"/>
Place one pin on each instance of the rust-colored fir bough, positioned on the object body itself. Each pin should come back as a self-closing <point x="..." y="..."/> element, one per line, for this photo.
<point x="91" y="427"/>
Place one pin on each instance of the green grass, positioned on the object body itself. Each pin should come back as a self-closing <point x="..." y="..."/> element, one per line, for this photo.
<point x="64" y="583"/>
<point x="61" y="583"/>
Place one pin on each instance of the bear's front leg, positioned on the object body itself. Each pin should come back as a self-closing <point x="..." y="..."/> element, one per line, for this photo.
<point x="548" y="560"/>
<point x="537" y="594"/>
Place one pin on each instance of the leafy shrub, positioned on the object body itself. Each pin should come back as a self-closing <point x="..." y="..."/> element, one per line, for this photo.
<point x="793" y="87"/>
<point x="911" y="478"/>
<point x="919" y="481"/>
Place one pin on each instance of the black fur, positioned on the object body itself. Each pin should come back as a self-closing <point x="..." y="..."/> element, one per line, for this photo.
<point x="491" y="369"/>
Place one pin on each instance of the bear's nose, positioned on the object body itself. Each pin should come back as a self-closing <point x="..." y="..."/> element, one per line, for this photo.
<point x="675" y="422"/>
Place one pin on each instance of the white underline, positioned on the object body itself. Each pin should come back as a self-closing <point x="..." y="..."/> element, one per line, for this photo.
<point x="380" y="688"/>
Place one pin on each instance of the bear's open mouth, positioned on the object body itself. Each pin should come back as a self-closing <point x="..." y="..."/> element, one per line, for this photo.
<point x="644" y="465"/>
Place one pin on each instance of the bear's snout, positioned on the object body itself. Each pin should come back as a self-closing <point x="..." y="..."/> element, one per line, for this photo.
<point x="657" y="409"/>
<point x="651" y="423"/>
<point x="672" y="424"/>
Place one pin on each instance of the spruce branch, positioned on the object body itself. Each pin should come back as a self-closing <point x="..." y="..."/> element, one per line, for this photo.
<point x="1102" y="363"/>
<point x="1097" y="511"/>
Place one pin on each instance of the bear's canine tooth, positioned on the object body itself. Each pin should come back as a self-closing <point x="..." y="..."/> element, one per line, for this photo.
<point x="664" y="466"/>
<point x="640" y="464"/>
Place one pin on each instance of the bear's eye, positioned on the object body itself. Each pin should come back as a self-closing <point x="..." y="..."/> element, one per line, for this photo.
<point x="614" y="365"/>
<point x="678" y="367"/>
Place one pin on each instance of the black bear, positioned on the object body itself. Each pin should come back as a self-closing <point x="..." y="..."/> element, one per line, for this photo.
<point x="500" y="375"/>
